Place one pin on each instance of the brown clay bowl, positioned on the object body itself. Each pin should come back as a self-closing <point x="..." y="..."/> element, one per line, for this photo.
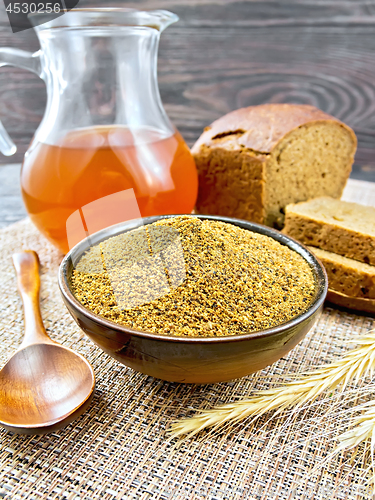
<point x="193" y="360"/>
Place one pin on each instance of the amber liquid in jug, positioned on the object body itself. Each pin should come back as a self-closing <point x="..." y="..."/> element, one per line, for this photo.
<point x="92" y="163"/>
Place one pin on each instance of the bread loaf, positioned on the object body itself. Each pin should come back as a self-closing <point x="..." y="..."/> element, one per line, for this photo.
<point x="347" y="276"/>
<point x="341" y="227"/>
<point x="254" y="161"/>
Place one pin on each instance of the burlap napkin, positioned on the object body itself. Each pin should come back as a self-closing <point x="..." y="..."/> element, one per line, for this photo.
<point x="119" y="450"/>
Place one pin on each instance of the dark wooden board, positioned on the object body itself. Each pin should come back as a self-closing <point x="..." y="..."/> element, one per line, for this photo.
<point x="227" y="54"/>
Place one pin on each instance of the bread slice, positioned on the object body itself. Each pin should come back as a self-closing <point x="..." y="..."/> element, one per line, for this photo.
<point x="254" y="161"/>
<point x="347" y="276"/>
<point x="341" y="227"/>
<point x="356" y="303"/>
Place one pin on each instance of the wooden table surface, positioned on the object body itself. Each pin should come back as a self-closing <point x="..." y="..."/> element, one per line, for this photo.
<point x="226" y="54"/>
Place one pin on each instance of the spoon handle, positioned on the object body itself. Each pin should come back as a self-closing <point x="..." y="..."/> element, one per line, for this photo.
<point x="26" y="265"/>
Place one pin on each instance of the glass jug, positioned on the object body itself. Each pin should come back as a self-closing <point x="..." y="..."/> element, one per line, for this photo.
<point x="104" y="129"/>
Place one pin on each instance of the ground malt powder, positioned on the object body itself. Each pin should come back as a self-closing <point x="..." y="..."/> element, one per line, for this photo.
<point x="194" y="278"/>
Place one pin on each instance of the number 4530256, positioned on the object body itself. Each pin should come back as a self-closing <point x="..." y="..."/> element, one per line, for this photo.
<point x="31" y="8"/>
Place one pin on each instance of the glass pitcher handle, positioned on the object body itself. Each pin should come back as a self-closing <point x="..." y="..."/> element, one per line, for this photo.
<point x="20" y="59"/>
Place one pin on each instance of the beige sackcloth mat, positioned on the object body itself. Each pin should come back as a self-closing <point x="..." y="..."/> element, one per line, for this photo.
<point x="118" y="449"/>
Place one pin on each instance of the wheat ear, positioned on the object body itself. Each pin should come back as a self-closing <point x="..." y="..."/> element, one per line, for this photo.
<point x="363" y="431"/>
<point x="357" y="363"/>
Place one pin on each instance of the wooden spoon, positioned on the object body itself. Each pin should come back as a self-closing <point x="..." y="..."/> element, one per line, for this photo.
<point x="44" y="386"/>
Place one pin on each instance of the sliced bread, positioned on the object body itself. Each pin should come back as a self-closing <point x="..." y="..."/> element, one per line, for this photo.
<point x="253" y="161"/>
<point x="347" y="276"/>
<point x="341" y="227"/>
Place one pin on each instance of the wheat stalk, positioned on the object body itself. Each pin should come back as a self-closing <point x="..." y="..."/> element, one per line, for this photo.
<point x="356" y="364"/>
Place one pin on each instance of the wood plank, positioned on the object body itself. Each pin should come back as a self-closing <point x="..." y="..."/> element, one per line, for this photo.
<point x="227" y="54"/>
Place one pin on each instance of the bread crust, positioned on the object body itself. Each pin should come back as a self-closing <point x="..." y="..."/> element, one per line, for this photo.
<point x="263" y="126"/>
<point x="237" y="191"/>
